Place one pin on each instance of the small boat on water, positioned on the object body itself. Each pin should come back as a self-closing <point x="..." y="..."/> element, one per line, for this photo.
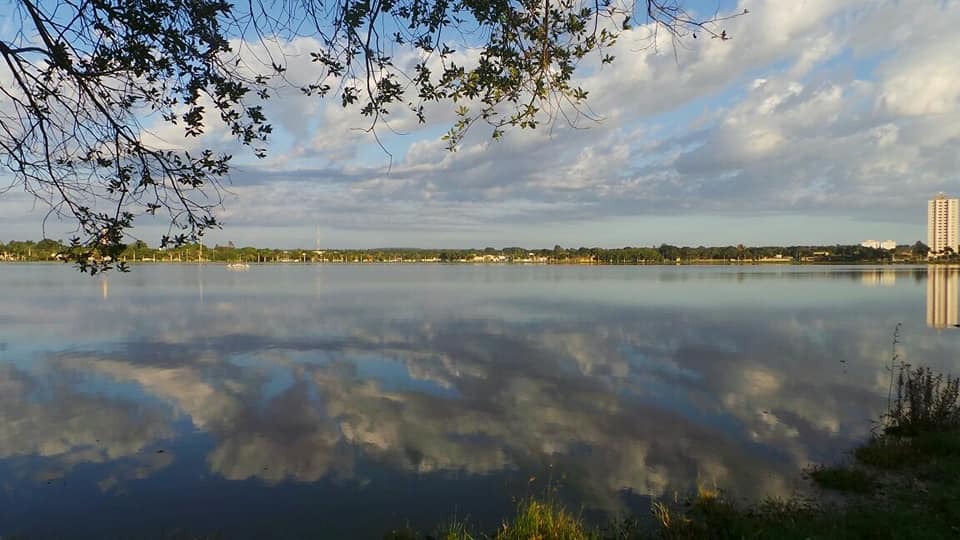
<point x="238" y="266"/>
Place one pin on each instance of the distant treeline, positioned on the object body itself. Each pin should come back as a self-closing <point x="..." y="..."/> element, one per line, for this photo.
<point x="46" y="250"/>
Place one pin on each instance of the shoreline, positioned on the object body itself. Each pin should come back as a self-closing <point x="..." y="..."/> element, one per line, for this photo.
<point x="706" y="264"/>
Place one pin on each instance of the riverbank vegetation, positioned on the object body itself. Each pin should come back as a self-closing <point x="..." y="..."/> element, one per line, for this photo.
<point x="904" y="482"/>
<point x="49" y="250"/>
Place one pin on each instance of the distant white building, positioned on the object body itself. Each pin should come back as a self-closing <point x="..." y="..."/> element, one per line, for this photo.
<point x="942" y="221"/>
<point x="880" y="244"/>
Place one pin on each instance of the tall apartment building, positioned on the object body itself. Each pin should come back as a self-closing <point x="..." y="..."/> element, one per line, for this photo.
<point x="943" y="216"/>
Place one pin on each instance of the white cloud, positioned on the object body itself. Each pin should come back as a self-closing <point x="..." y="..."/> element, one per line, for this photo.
<point x="925" y="80"/>
<point x="812" y="107"/>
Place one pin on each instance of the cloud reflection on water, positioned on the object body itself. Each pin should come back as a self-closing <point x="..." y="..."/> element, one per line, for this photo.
<point x="648" y="399"/>
<point x="44" y="415"/>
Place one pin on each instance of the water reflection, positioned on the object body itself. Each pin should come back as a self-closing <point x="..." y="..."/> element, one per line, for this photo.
<point x="48" y="417"/>
<point x="883" y="277"/>
<point x="942" y="296"/>
<point x="461" y="381"/>
<point x="470" y="398"/>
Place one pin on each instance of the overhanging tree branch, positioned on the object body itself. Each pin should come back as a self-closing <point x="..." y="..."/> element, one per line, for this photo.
<point x="82" y="79"/>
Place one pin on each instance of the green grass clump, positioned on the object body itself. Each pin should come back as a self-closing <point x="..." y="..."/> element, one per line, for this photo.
<point x="543" y="520"/>
<point x="844" y="479"/>
<point x="455" y="530"/>
<point x="534" y="520"/>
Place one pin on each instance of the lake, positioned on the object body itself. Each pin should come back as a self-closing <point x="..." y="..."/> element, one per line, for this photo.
<point x="340" y="401"/>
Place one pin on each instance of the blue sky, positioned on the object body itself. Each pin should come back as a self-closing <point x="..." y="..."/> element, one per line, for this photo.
<point x="819" y="122"/>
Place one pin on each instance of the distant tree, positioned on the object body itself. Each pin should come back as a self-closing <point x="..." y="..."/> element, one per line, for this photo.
<point x="48" y="245"/>
<point x="920" y="250"/>
<point x="559" y="253"/>
<point x="81" y="79"/>
<point x="668" y="252"/>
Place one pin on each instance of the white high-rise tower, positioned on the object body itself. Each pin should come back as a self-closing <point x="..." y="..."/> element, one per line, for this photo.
<point x="943" y="216"/>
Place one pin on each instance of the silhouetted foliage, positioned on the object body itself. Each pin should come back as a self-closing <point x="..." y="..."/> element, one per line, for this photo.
<point x="82" y="79"/>
<point x="925" y="402"/>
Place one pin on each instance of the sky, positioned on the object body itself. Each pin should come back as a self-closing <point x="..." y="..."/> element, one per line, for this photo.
<point x="819" y="122"/>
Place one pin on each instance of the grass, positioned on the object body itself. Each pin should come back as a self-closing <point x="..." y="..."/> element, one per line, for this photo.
<point x="455" y="530"/>
<point x="543" y="520"/>
<point x="534" y="520"/>
<point x="843" y="479"/>
<point x="886" y="453"/>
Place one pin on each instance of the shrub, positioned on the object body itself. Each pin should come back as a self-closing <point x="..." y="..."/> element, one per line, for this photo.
<point x="843" y="479"/>
<point x="926" y="401"/>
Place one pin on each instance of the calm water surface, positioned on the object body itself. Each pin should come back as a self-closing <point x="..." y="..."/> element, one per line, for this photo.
<point x="342" y="401"/>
